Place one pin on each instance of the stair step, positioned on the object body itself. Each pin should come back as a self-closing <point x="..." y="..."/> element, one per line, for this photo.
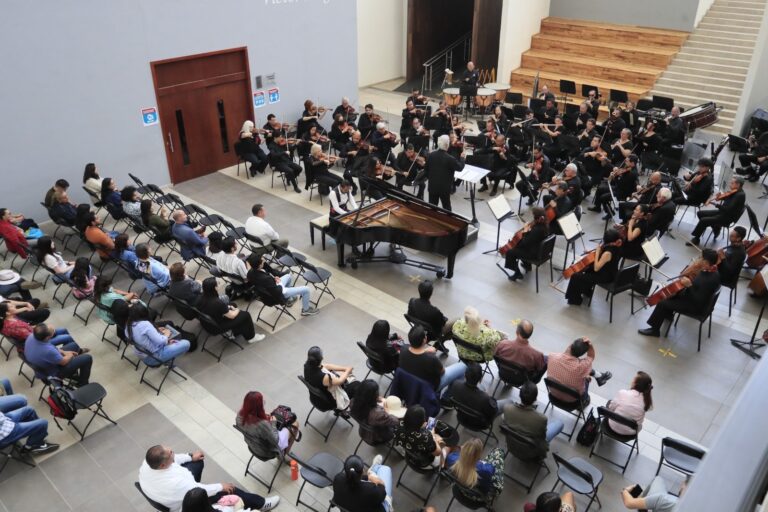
<point x="690" y="96"/>
<point x="676" y="74"/>
<point x="708" y="66"/>
<point x="736" y="19"/>
<point x="697" y="37"/>
<point x="706" y="56"/>
<point x="747" y="7"/>
<point x="735" y="32"/>
<point x="702" y="42"/>
<point x="610" y="33"/>
<point x="594" y="67"/>
<point x="632" y="54"/>
<point x="700" y="85"/>
<point x="757" y="16"/>
<point x="720" y="53"/>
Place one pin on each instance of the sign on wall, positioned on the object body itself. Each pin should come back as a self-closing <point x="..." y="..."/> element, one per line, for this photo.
<point x="258" y="99"/>
<point x="149" y="116"/>
<point x="274" y="95"/>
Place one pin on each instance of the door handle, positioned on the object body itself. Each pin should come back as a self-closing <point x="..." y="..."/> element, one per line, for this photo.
<point x="170" y="142"/>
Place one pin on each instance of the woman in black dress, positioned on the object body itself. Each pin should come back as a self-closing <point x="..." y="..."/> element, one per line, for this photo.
<point x="603" y="270"/>
<point x="226" y="315"/>
<point x="636" y="227"/>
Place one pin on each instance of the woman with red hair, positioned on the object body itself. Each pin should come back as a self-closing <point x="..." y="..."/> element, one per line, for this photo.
<point x="267" y="435"/>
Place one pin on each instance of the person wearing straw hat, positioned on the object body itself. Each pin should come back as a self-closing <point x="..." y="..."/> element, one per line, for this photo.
<point x="12" y="282"/>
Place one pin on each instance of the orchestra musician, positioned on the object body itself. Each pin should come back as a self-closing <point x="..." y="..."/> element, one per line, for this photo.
<point x="249" y="147"/>
<point x="558" y="206"/>
<point x="280" y="159"/>
<point x="384" y="141"/>
<point x="643" y="195"/>
<point x="583" y="116"/>
<point x="545" y="94"/>
<point x="318" y="172"/>
<point x="527" y="248"/>
<point x="309" y="117"/>
<point x="729" y="210"/>
<point x="355" y="154"/>
<point x="500" y="119"/>
<point x="662" y="213"/>
<point x="503" y="165"/>
<point x="603" y="270"/>
<point x="312" y="136"/>
<point x="341" y="201"/>
<point x="699" y="185"/>
<point x="572" y="180"/>
<point x="417" y="98"/>
<point x="541" y="173"/>
<point x="417" y="130"/>
<point x="631" y="117"/>
<point x="341" y="131"/>
<point x="455" y="146"/>
<point x="587" y="133"/>
<point x="595" y="161"/>
<point x="614" y="125"/>
<point x="411" y="162"/>
<point x="272" y="129"/>
<point x="755" y="162"/>
<point x="648" y="143"/>
<point x="346" y="110"/>
<point x="440" y="168"/>
<point x="594" y="102"/>
<point x="457" y="126"/>
<point x="410" y="112"/>
<point x="368" y="121"/>
<point x="731" y="258"/>
<point x="469" y="81"/>
<point x="549" y="112"/>
<point x="445" y="126"/>
<point x="553" y="149"/>
<point x="375" y="172"/>
<point x="675" y="132"/>
<point x="700" y="280"/>
<point x="621" y="147"/>
<point x="635" y="231"/>
<point x="622" y="181"/>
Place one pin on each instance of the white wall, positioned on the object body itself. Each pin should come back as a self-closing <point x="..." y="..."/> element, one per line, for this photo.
<point x="755" y="92"/>
<point x="381" y="37"/>
<point x="704" y="6"/>
<point x="520" y="19"/>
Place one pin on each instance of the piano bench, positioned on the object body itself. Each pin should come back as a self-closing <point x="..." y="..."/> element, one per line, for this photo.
<point x="322" y="224"/>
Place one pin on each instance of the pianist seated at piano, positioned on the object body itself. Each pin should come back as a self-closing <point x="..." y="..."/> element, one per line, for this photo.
<point x="342" y="201"/>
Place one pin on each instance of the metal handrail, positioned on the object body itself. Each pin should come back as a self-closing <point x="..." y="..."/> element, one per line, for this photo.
<point x="445" y="56"/>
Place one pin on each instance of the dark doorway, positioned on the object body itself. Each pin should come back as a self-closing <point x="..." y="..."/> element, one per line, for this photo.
<point x="486" y="30"/>
<point x="203" y="101"/>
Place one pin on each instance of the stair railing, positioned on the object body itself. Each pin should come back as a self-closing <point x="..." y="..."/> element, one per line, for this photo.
<point x="444" y="60"/>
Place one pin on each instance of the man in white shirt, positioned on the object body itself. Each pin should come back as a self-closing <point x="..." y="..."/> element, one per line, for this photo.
<point x="341" y="200"/>
<point x="166" y="477"/>
<point x="260" y="228"/>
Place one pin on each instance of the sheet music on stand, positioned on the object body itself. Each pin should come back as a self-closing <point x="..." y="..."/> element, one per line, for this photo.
<point x="726" y="173"/>
<point x="569" y="224"/>
<point x="654" y="252"/>
<point x="471" y="174"/>
<point x="499" y="207"/>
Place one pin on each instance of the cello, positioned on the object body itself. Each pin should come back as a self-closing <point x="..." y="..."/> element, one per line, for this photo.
<point x="690" y="272"/>
<point x="755" y="253"/>
<point x="512" y="243"/>
<point x="587" y="260"/>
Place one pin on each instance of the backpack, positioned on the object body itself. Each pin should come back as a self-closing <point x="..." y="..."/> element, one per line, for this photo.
<point x="284" y="417"/>
<point x="588" y="433"/>
<point x="60" y="402"/>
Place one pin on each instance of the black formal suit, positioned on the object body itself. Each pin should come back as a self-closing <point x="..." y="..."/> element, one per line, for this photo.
<point x="661" y="216"/>
<point x="648" y="197"/>
<point x="698" y="192"/>
<point x="528" y="246"/>
<point x="730" y="268"/>
<point x="726" y="213"/>
<point x="563" y="205"/>
<point x="440" y="167"/>
<point x="694" y="299"/>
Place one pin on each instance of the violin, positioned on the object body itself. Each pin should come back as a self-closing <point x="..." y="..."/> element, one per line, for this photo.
<point x="696" y="179"/>
<point x="618" y="171"/>
<point x="331" y="159"/>
<point x="721" y="196"/>
<point x="587" y="260"/>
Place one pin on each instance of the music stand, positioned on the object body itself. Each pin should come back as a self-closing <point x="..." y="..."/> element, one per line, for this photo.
<point x="515" y="98"/>
<point x="567" y="87"/>
<point x="519" y="111"/>
<point x="571" y="229"/>
<point x="501" y="211"/>
<point x="619" y="96"/>
<point x="478" y="141"/>
<point x="472" y="175"/>
<point x="655" y="256"/>
<point x="432" y="123"/>
<point x="663" y="102"/>
<point x="754" y="344"/>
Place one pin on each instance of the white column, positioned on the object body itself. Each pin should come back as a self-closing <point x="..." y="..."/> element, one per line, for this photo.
<point x="755" y="92"/>
<point x="520" y="19"/>
<point x="381" y="36"/>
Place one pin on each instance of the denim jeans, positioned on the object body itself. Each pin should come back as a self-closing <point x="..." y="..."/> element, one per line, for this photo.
<point x="168" y="352"/>
<point x="61" y="337"/>
<point x="452" y="373"/>
<point x="293" y="291"/>
<point x="385" y="473"/>
<point x="554" y="427"/>
<point x="6" y="386"/>
<point x="15" y="288"/>
<point x="27" y="425"/>
<point x="79" y="367"/>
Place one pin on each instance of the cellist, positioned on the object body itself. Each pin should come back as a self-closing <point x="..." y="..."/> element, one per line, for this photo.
<point x="699" y="288"/>
<point x="603" y="270"/>
<point x="527" y="247"/>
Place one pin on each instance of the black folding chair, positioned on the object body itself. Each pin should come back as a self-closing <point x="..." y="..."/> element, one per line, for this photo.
<point x="472" y="419"/>
<point x="434" y="472"/>
<point x="376" y="364"/>
<point x="320" y="402"/>
<point x="364" y="427"/>
<point x="469" y="497"/>
<point x="89" y="397"/>
<point x="606" y="431"/>
<point x="580" y="476"/>
<point x="510" y="374"/>
<point x="700" y="317"/>
<point x="213" y="328"/>
<point x="157" y="506"/>
<point x="317" y="277"/>
<point x="575" y="402"/>
<point x="522" y="448"/>
<point x="470" y="347"/>
<point x="249" y="440"/>
<point x="680" y="456"/>
<point x="546" y="249"/>
<point x="167" y="367"/>
<point x="624" y="281"/>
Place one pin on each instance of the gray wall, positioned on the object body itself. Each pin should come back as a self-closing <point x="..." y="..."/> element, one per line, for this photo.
<point x="76" y="74"/>
<point x="755" y="92"/>
<point x="674" y="15"/>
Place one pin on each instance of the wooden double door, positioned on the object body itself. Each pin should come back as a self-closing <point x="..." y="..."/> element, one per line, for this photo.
<point x="203" y="101"/>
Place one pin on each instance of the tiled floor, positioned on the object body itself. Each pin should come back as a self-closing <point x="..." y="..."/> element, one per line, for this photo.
<point x="692" y="391"/>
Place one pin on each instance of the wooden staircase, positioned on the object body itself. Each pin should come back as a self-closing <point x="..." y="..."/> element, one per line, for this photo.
<point x="607" y="56"/>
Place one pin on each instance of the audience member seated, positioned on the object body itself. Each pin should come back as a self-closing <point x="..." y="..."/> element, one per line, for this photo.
<point x="656" y="498"/>
<point x="386" y="345"/>
<point x="8" y="400"/>
<point x="422" y="308"/>
<point x="331" y="379"/>
<point x="467" y="392"/>
<point x="61" y="208"/>
<point x="166" y="477"/>
<point x="571" y="369"/>
<point x="131" y="202"/>
<point x="358" y="490"/>
<point x="268" y="434"/>
<point x="126" y="253"/>
<point x="59" y="186"/>
<point x="83" y="278"/>
<point x="158" y="222"/>
<point x="215" y="246"/>
<point x="632" y="403"/>
<point x="478" y="332"/>
<point x="92" y="182"/>
<point x="229" y="261"/>
<point x="65" y="361"/>
<point x="420" y="361"/>
<point x="552" y="502"/>
<point x="32" y="311"/>
<point x="421" y="440"/>
<point x="275" y="289"/>
<point x="52" y="260"/>
<point x="98" y="237"/>
<point x="192" y="242"/>
<point x="14" y="237"/>
<point x="370" y="408"/>
<point x="257" y="226"/>
<point x="148" y="266"/>
<point x="524" y="419"/>
<point x="158" y="344"/>
<point x="227" y="315"/>
<point x="111" y="199"/>
<point x="105" y="295"/>
<point x="19" y="421"/>
<point x="520" y="352"/>
<point x="483" y="475"/>
<point x="15" y="327"/>
<point x="184" y="287"/>
<point x="11" y="282"/>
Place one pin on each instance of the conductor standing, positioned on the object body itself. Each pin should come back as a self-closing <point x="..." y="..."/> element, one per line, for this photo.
<point x="440" y="167"/>
<point x="469" y="82"/>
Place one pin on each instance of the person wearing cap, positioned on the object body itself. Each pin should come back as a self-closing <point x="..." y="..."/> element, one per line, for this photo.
<point x="379" y="414"/>
<point x="12" y="282"/>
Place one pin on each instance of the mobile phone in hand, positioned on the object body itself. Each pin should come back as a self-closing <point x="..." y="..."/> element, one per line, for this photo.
<point x="431" y="423"/>
<point x="636" y="491"/>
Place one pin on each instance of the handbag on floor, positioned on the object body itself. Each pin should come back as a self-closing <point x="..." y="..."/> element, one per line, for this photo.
<point x="588" y="433"/>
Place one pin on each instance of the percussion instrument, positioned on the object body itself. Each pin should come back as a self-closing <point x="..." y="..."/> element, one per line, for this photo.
<point x="500" y="90"/>
<point x="700" y="116"/>
<point x="452" y="96"/>
<point x="484" y="97"/>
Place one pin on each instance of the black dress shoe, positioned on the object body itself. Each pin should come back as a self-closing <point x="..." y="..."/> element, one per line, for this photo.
<point x="526" y="265"/>
<point x="649" y="332"/>
<point x="603" y="378"/>
<point x="607" y="216"/>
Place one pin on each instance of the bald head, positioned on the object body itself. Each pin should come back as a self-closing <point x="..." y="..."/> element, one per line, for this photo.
<point x="655" y="178"/>
<point x="524" y="329"/>
<point x="179" y="216"/>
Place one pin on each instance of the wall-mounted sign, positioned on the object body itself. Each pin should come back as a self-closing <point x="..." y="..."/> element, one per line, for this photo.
<point x="149" y="116"/>
<point x="274" y="95"/>
<point x="258" y="99"/>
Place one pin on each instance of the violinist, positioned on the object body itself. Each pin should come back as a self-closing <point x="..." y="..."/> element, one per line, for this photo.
<point x="648" y="143"/>
<point x="280" y="159"/>
<point x="573" y="182"/>
<point x="614" y="125"/>
<point x="621" y="183"/>
<point x="503" y="166"/>
<point x="631" y="117"/>
<point x="500" y="119"/>
<point x="622" y="147"/>
<point x="595" y="162"/>
<point x="374" y="174"/>
<point x="410" y="112"/>
<point x="732" y="257"/>
<point x="730" y="208"/>
<point x="457" y="126"/>
<point x="635" y="230"/>
<point x="662" y="213"/>
<point x="417" y="98"/>
<point x="444" y="117"/>
<point x="318" y="172"/>
<point x="527" y="248"/>
<point x="309" y="117"/>
<point x="699" y="185"/>
<point x="355" y="154"/>
<point x="603" y="270"/>
<point x="413" y="163"/>
<point x="440" y="168"/>
<point x="554" y="148"/>
<point x="368" y="122"/>
<point x="541" y="173"/>
<point x="384" y="141"/>
<point x="346" y="110"/>
<point x="558" y="206"/>
<point x="341" y="132"/>
<point x="644" y="195"/>
<point x="455" y="146"/>
<point x="586" y="133"/>
<point x="417" y="130"/>
<point x="700" y="281"/>
<point x="312" y="136"/>
<point x="249" y="148"/>
<point x="272" y="129"/>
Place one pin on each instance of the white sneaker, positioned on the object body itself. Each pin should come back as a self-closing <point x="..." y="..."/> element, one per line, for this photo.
<point x="377" y="460"/>
<point x="270" y="503"/>
<point x="309" y="312"/>
<point x="257" y="337"/>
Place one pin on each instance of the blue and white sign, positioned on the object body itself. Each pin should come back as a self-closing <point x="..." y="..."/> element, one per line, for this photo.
<point x="149" y="116"/>
<point x="258" y="99"/>
<point x="274" y="95"/>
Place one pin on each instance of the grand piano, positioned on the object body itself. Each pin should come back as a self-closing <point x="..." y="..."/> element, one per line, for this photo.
<point x="402" y="219"/>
